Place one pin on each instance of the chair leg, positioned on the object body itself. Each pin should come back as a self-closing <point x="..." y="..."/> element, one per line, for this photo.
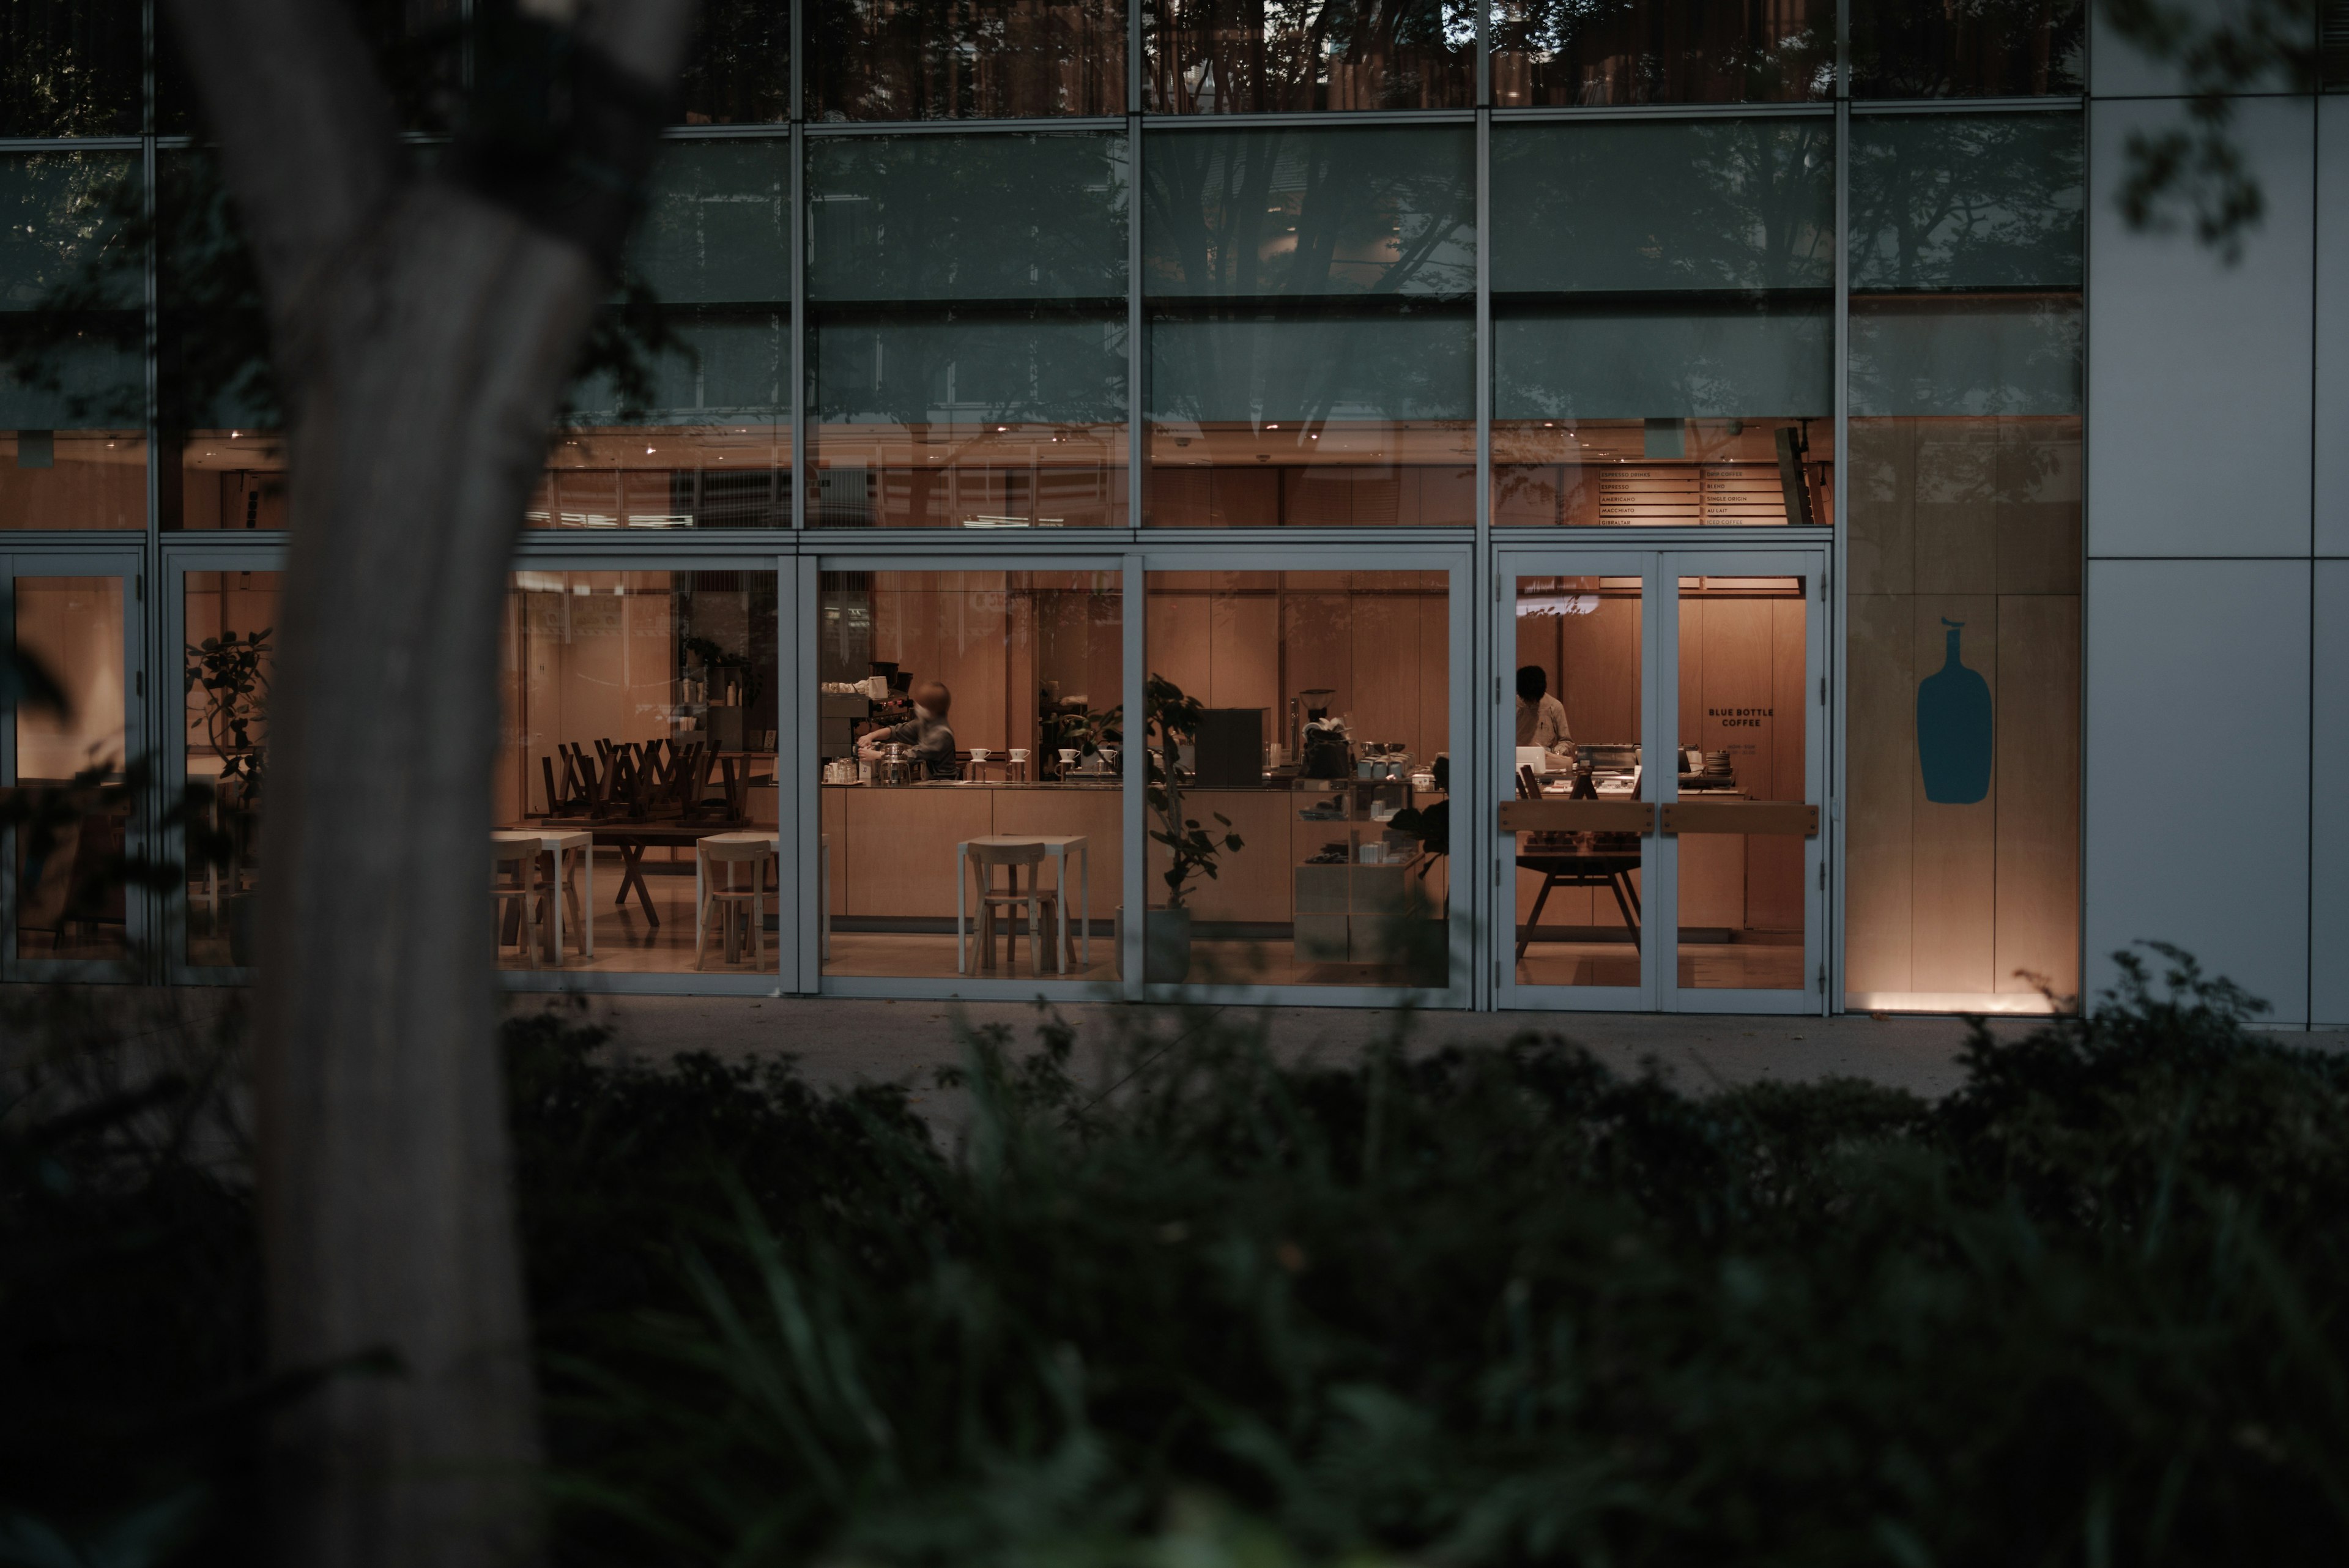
<point x="1550" y="880"/>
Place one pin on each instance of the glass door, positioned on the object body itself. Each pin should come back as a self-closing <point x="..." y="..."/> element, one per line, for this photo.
<point x="1660" y="755"/>
<point x="68" y="745"/>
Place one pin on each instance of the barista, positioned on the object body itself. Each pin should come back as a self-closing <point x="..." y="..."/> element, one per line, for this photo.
<point x="1541" y="718"/>
<point x="927" y="732"/>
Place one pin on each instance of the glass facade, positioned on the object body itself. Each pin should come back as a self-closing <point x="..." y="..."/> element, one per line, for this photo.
<point x="1293" y="333"/>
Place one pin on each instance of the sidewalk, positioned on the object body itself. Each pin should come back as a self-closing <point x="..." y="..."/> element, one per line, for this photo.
<point x="839" y="1041"/>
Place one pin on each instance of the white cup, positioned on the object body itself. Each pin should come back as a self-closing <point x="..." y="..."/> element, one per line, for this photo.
<point x="1018" y="753"/>
<point x="1109" y="759"/>
<point x="980" y="753"/>
<point x="1068" y="757"/>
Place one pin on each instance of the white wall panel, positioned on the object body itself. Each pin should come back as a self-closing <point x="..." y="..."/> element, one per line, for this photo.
<point x="2198" y="398"/>
<point x="2329" y="771"/>
<point x="2197" y="768"/>
<point x="2333" y="327"/>
<point x="2117" y="69"/>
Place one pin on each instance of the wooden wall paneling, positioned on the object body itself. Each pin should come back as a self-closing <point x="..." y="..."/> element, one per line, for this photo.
<point x="1317" y="644"/>
<point x="1883" y="512"/>
<point x="1242" y="498"/>
<point x="1433" y="668"/>
<point x="901" y="848"/>
<point x="651" y="696"/>
<point x="1957" y="506"/>
<point x="2036" y="789"/>
<point x="1244" y="656"/>
<point x="1097" y="814"/>
<point x="1566" y="906"/>
<point x="833" y="811"/>
<point x="1880" y="773"/>
<point x="1251" y="883"/>
<point x="1953" y="847"/>
<point x="1385" y="632"/>
<point x="1713" y="879"/>
<point x="1178" y="639"/>
<point x="1600" y="675"/>
<point x="2039" y="515"/>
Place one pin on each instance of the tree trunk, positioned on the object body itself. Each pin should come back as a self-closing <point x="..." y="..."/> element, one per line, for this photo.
<point x="437" y="353"/>
<point x="422" y="327"/>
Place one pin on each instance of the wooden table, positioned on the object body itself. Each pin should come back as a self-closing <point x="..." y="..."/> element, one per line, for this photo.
<point x="1565" y="868"/>
<point x="632" y="839"/>
<point x="560" y="842"/>
<point x="1056" y="844"/>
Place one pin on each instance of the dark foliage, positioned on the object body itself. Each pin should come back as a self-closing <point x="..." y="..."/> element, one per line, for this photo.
<point x="1473" y="1306"/>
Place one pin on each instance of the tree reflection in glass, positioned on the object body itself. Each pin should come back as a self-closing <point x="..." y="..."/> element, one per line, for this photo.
<point x="1663" y="297"/>
<point x="968" y="330"/>
<point x="739" y="69"/>
<point x="1968" y="48"/>
<point x="1311" y="327"/>
<point x="1589" y="52"/>
<point x="966" y="59"/>
<point x="1247" y="56"/>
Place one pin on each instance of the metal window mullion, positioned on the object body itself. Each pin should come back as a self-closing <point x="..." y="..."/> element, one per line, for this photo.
<point x="1836" y="655"/>
<point x="799" y="411"/>
<point x="1483" y="902"/>
<point x="1136" y="365"/>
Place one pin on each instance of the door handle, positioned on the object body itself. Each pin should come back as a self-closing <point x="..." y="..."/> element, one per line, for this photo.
<point x="1578" y="816"/>
<point x="1792" y="818"/>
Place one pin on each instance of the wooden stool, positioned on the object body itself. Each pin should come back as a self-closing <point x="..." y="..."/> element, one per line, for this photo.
<point x="1040" y="903"/>
<point x="515" y="890"/>
<point x="729" y="899"/>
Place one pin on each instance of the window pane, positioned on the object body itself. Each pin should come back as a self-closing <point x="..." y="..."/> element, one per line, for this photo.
<point x="989" y="59"/>
<point x="1572" y="52"/>
<point x="639" y="715"/>
<point x="1241" y="57"/>
<point x="1745" y="701"/>
<point x="73" y="448"/>
<point x="1311" y="328"/>
<point x="1574" y="705"/>
<point x="1662" y="333"/>
<point x="223" y="451"/>
<point x="967" y="343"/>
<point x="1962" y="877"/>
<point x="969" y="739"/>
<point x="1966" y="202"/>
<point x="70" y="896"/>
<point x="1978" y="48"/>
<point x="686" y="424"/>
<point x="70" y="68"/>
<point x="1307" y="715"/>
<point x="231" y="663"/>
<point x="1962" y="833"/>
<point x="739" y="71"/>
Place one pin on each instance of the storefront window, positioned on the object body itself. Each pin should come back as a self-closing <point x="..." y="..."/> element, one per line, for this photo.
<point x="687" y="422"/>
<point x="1662" y="305"/>
<point x="967" y="351"/>
<point x="968" y="59"/>
<point x="1964" y="770"/>
<point x="216" y="395"/>
<point x="231" y="619"/>
<point x="70" y="894"/>
<point x="70" y="68"/>
<point x="970" y="737"/>
<point x="1574" y="53"/>
<point x="1980" y="48"/>
<point x="1299" y="732"/>
<point x="1243" y="57"/>
<point x="1312" y="330"/>
<point x="637" y="777"/>
<point x="739" y="71"/>
<point x="72" y="447"/>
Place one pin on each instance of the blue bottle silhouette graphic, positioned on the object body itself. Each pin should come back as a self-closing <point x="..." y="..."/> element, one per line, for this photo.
<point x="1953" y="728"/>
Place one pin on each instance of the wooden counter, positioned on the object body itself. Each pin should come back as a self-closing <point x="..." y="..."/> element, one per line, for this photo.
<point x="893" y="850"/>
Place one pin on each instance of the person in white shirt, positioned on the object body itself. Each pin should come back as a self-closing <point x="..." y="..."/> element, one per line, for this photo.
<point x="1541" y="718"/>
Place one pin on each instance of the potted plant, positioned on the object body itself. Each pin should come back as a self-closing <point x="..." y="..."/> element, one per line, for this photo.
<point x="1191" y="846"/>
<point x="232" y="671"/>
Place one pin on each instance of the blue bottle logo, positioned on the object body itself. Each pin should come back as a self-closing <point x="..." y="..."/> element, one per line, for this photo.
<point x="1954" y="737"/>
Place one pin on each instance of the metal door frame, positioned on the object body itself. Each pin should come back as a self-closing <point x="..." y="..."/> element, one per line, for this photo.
<point x="1659" y="567"/>
<point x="127" y="561"/>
